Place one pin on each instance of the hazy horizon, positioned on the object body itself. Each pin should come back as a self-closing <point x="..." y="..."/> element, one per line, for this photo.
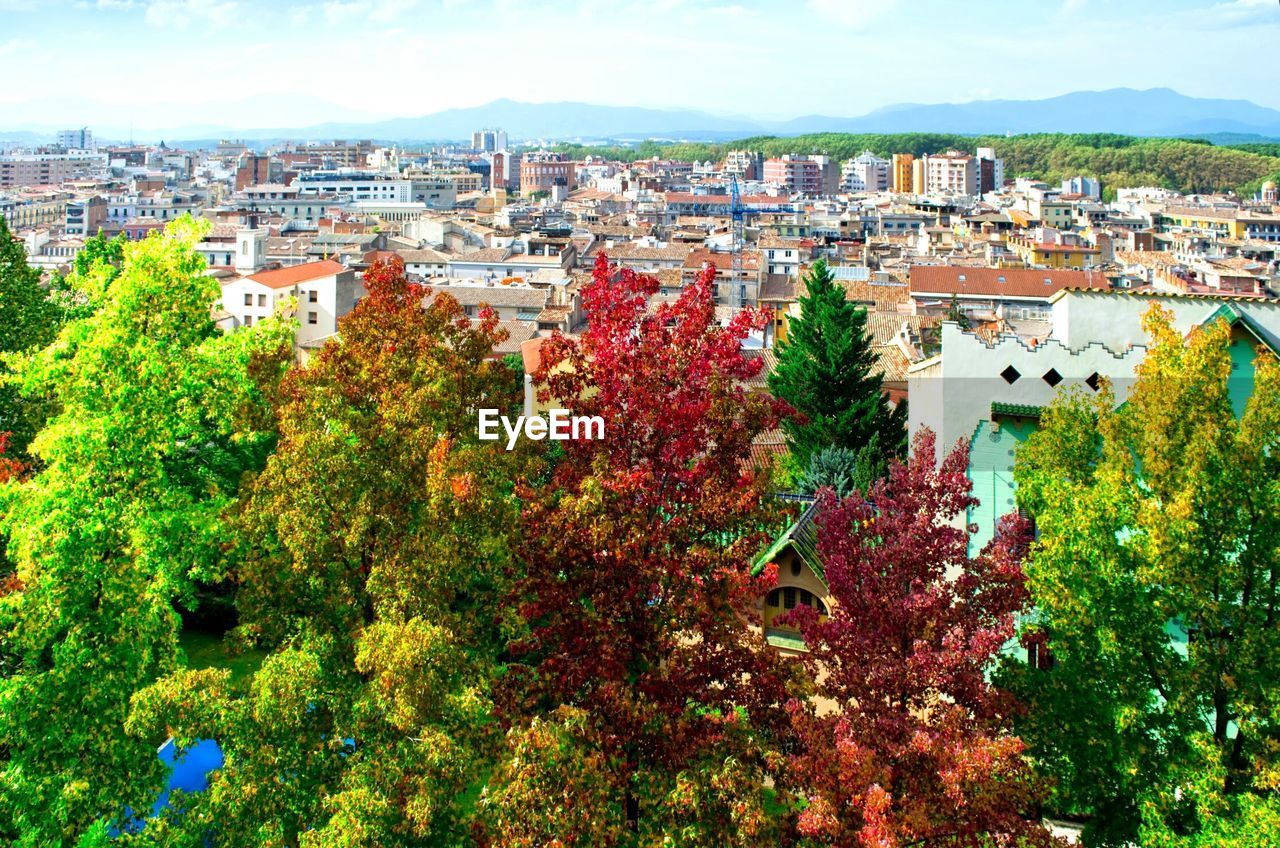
<point x="177" y="64"/>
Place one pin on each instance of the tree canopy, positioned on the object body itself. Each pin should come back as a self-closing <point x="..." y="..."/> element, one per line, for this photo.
<point x="138" y="467"/>
<point x="1155" y="580"/>
<point x="916" y="746"/>
<point x="1119" y="161"/>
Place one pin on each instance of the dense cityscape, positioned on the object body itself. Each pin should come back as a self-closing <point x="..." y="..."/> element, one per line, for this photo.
<point x="907" y="481"/>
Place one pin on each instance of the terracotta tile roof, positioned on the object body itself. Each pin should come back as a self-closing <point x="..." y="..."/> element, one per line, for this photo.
<point x="721" y="260"/>
<point x="488" y="254"/>
<point x="496" y="296"/>
<point x="285" y="277"/>
<point x="881" y="295"/>
<point x="761" y="380"/>
<point x="891" y="363"/>
<point x="1147" y="258"/>
<point x="883" y="327"/>
<point x="668" y="277"/>
<point x="779" y="288"/>
<point x="631" y="250"/>
<point x="1009" y="282"/>
<point x="767" y="448"/>
<point x="518" y="332"/>
<point x="425" y="256"/>
<point x="769" y="240"/>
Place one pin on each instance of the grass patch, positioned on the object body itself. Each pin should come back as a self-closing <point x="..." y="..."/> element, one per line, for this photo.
<point x="210" y="650"/>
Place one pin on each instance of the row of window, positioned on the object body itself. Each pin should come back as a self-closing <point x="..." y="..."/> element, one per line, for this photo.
<point x="788" y="597"/>
<point x="312" y="318"/>
<point x="312" y="297"/>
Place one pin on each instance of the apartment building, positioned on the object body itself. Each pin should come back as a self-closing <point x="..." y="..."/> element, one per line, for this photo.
<point x="324" y="292"/>
<point x="794" y="173"/>
<point x="542" y="172"/>
<point x="867" y="172"/>
<point x="352" y="185"/>
<point x="901" y="172"/>
<point x="952" y="172"/>
<point x="742" y="289"/>
<point x="26" y="210"/>
<point x="85" y="216"/>
<point x="81" y="139"/>
<point x="33" y="169"/>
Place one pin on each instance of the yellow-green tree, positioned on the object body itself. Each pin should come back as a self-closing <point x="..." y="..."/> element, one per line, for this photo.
<point x="28" y="319"/>
<point x="138" y="468"/>
<point x="1157" y="580"/>
<point x="375" y="556"/>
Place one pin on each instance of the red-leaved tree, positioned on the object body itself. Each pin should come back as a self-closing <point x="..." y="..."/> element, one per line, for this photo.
<point x="638" y="588"/>
<point x="10" y="468"/>
<point x="909" y="744"/>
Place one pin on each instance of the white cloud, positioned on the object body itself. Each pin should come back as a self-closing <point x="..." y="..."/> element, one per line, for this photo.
<point x="1243" y="13"/>
<point x="851" y="14"/>
<point x="15" y="45"/>
<point x="180" y="14"/>
<point x="385" y="11"/>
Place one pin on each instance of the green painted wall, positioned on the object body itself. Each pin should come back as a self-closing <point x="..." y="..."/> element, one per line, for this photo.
<point x="991" y="453"/>
<point x="1240" y="383"/>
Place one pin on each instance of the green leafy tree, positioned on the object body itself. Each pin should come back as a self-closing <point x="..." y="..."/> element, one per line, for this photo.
<point x="1155" y="576"/>
<point x="28" y="319"/>
<point x="96" y="265"/>
<point x="825" y="372"/>
<point x="375" y="556"/>
<point x="139" y="466"/>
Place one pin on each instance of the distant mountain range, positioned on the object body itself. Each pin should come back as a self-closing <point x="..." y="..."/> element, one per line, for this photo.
<point x="1151" y="112"/>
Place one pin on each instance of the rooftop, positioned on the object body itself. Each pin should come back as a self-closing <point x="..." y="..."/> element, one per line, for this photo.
<point x="1008" y="282"/>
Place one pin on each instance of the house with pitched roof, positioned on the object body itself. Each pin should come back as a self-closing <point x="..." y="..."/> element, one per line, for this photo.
<point x="319" y="293"/>
<point x="801" y="580"/>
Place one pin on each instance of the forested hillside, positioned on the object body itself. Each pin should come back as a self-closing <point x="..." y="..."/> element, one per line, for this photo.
<point x="1187" y="165"/>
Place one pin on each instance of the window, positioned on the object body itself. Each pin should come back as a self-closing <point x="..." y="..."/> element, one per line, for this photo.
<point x="248" y="299"/>
<point x="1052" y="377"/>
<point x="1010" y="375"/>
<point x="1040" y="657"/>
<point x="248" y="320"/>
<point x="788" y="597"/>
<point x="262" y="300"/>
<point x="313" y="296"/>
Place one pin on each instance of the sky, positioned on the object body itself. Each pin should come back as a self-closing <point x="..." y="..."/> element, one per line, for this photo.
<point x="154" y="65"/>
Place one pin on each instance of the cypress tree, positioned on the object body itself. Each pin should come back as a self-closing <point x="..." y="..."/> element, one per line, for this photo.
<point x="825" y="371"/>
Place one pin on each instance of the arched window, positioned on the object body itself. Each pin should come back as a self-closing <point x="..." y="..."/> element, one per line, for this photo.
<point x="785" y="599"/>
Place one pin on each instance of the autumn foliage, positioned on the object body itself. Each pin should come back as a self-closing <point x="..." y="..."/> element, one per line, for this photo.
<point x="557" y="645"/>
<point x="636" y="552"/>
<point x="914" y="746"/>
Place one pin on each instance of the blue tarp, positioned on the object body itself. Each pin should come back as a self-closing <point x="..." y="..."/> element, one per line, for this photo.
<point x="188" y="771"/>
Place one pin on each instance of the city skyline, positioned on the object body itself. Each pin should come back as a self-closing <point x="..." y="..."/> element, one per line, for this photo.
<point x="289" y="64"/>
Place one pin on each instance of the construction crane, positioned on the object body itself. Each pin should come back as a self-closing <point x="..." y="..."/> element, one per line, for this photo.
<point x="737" y="215"/>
